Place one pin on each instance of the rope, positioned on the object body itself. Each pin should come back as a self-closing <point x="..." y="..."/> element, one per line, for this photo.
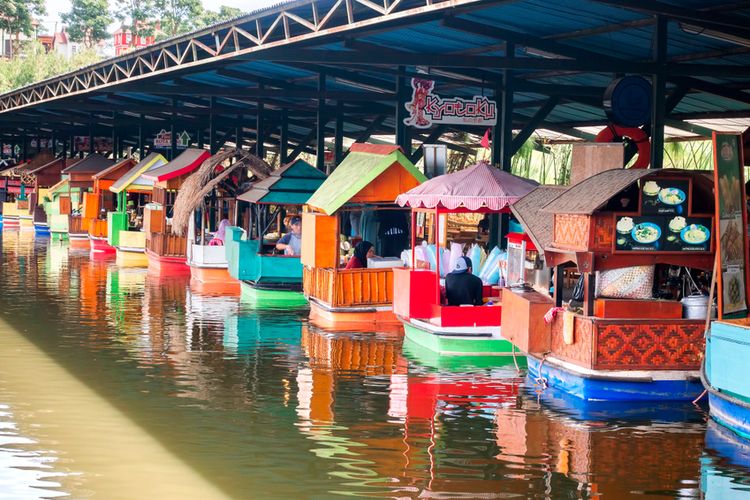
<point x="705" y="391"/>
<point x="540" y="379"/>
<point x="515" y="362"/>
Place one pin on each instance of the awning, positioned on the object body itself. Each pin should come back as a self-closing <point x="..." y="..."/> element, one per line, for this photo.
<point x="292" y="184"/>
<point x="92" y="164"/>
<point x="188" y="161"/>
<point x="135" y="174"/>
<point x="536" y="222"/>
<point x="479" y="186"/>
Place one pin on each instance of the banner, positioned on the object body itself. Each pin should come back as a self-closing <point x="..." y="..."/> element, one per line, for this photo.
<point x="731" y="229"/>
<point x="427" y="108"/>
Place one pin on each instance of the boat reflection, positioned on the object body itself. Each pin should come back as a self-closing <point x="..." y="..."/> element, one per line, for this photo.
<point x="725" y="466"/>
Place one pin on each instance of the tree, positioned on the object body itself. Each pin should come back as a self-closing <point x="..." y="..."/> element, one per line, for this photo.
<point x="139" y="15"/>
<point x="16" y="16"/>
<point x="210" y="17"/>
<point x="87" y="21"/>
<point x="178" y="16"/>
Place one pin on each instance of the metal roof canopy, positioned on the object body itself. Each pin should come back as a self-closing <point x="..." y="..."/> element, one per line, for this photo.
<point x="346" y="65"/>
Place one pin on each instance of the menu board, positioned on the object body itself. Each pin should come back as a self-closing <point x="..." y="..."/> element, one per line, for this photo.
<point x="732" y="217"/>
<point x="663" y="233"/>
<point x="665" y="197"/>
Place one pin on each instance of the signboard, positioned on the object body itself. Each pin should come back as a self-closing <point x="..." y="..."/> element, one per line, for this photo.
<point x="731" y="234"/>
<point x="427" y="108"/>
<point x="101" y="144"/>
<point x="7" y="149"/>
<point x="163" y="140"/>
<point x="183" y="140"/>
<point x="665" y="196"/>
<point x="663" y="233"/>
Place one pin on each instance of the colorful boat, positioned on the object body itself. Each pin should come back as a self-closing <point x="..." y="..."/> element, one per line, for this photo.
<point x="18" y="184"/>
<point x="619" y="228"/>
<point x="466" y="330"/>
<point x="204" y="207"/>
<point x="268" y="277"/>
<point x="725" y="374"/>
<point x="360" y="192"/>
<point x="124" y="225"/>
<point x="77" y="180"/>
<point x="166" y="251"/>
<point x="35" y="180"/>
<point x="101" y="200"/>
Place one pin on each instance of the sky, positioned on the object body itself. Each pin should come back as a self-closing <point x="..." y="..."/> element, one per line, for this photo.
<point x="57" y="7"/>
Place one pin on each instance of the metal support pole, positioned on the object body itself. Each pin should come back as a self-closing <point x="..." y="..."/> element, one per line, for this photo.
<point x="284" y="137"/>
<point x="338" y="141"/>
<point x="173" y="134"/>
<point x="320" y="142"/>
<point x="658" y="89"/>
<point x="495" y="153"/>
<point x="260" y="150"/>
<point x="506" y="117"/>
<point x="212" y="126"/>
<point x="199" y="138"/>
<point x="53" y="140"/>
<point x="115" y="153"/>
<point x="141" y="137"/>
<point x="25" y="146"/>
<point x="402" y="130"/>
<point x="91" y="133"/>
<point x="238" y="137"/>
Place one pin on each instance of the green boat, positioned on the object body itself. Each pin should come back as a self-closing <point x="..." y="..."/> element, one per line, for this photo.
<point x="429" y="358"/>
<point x="261" y="298"/>
<point x="459" y="341"/>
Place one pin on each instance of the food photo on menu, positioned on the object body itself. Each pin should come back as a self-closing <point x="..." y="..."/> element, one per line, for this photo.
<point x="667" y="196"/>
<point x="663" y="233"/>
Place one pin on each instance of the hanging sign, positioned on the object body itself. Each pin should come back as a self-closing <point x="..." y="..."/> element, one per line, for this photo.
<point x="7" y="150"/>
<point x="183" y="140"/>
<point x="427" y="108"/>
<point x="81" y="143"/>
<point x="731" y="234"/>
<point x="163" y="140"/>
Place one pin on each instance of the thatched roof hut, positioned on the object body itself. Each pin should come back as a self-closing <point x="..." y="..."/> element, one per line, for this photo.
<point x="210" y="175"/>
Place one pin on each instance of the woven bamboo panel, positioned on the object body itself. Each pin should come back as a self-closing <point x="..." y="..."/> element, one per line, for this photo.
<point x="572" y="231"/>
<point x="581" y="350"/>
<point x="359" y="287"/>
<point x="603" y="233"/>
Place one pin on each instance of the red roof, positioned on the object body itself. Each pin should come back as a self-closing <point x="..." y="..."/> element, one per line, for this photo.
<point x="186" y="162"/>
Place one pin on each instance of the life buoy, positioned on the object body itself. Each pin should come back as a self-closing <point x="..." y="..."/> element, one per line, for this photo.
<point x="613" y="133"/>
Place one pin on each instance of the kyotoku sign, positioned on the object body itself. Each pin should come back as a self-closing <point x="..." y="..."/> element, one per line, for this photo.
<point x="427" y="108"/>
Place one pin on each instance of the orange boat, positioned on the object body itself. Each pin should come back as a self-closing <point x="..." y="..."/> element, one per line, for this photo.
<point x="357" y="199"/>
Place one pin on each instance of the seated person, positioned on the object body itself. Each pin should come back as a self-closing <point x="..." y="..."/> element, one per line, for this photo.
<point x="462" y="287"/>
<point x="291" y="242"/>
<point x="220" y="234"/>
<point x="363" y="251"/>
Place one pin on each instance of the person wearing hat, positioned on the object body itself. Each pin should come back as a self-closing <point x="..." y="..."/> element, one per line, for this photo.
<point x="291" y="243"/>
<point x="461" y="286"/>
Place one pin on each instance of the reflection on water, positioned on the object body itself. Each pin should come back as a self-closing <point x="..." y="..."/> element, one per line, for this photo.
<point x="207" y="397"/>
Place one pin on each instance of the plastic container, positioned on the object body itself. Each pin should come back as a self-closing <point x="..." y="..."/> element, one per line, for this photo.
<point x="695" y="307"/>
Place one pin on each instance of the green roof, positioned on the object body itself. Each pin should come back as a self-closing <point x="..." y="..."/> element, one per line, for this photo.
<point x="292" y="184"/>
<point x="358" y="169"/>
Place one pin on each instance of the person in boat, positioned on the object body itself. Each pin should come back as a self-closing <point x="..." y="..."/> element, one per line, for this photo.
<point x="362" y="251"/>
<point x="461" y="286"/>
<point x="220" y="234"/>
<point x="291" y="242"/>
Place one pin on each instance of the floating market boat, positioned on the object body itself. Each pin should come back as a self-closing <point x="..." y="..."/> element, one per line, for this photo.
<point x="66" y="197"/>
<point x="418" y="299"/>
<point x="204" y="206"/>
<point x="268" y="277"/>
<point x="18" y="184"/>
<point x="165" y="250"/>
<point x="101" y="200"/>
<point x="37" y="180"/>
<point x="628" y="232"/>
<point x="357" y="199"/>
<point x="125" y="225"/>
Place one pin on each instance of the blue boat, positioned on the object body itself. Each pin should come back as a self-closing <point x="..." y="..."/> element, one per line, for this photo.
<point x="614" y="385"/>
<point x="725" y="375"/>
<point x="725" y="465"/>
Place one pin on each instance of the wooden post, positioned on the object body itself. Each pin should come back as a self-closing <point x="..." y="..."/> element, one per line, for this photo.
<point x="589" y="294"/>
<point x="559" y="284"/>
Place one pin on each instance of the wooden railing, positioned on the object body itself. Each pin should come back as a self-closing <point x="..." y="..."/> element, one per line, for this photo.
<point x="98" y="228"/>
<point x="168" y="245"/>
<point x="354" y="287"/>
<point x="76" y="225"/>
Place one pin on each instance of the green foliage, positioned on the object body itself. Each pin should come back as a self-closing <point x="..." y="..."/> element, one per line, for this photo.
<point x="177" y="16"/>
<point x="87" y="21"/>
<point x="33" y="64"/>
<point x="17" y="15"/>
<point x="138" y="14"/>
<point x="210" y="17"/>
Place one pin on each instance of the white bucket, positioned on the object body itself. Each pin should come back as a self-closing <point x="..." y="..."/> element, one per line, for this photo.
<point x="695" y="307"/>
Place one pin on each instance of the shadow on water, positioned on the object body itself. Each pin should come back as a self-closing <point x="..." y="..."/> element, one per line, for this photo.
<point x="264" y="404"/>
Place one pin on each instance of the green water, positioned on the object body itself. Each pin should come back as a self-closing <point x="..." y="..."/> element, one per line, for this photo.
<point x="115" y="383"/>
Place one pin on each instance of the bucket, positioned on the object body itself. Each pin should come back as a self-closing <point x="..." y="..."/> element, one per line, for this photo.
<point x="695" y="307"/>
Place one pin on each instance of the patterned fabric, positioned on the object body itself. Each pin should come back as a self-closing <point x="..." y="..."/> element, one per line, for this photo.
<point x="626" y="283"/>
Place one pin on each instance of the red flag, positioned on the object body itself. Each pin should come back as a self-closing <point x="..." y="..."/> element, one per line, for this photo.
<point x="485" y="142"/>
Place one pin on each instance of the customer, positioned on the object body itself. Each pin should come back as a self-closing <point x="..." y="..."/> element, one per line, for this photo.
<point x="362" y="252"/>
<point x="462" y="287"/>
<point x="291" y="242"/>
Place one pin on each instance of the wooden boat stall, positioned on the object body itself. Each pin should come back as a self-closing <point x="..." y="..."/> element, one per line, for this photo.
<point x="125" y="225"/>
<point x="268" y="277"/>
<point x="77" y="180"/>
<point x="419" y="293"/>
<point x="36" y="181"/>
<point x="357" y="199"/>
<point x="204" y="207"/>
<point x="641" y="240"/>
<point x="101" y="200"/>
<point x="16" y="185"/>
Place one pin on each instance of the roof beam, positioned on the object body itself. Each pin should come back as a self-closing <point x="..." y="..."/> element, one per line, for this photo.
<point x="533" y="124"/>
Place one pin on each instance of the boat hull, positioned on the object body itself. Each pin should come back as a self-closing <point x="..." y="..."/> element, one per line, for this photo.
<point x="211" y="274"/>
<point x="26" y="223"/>
<point x="131" y="258"/>
<point x="458" y="342"/>
<point x="354" y="318"/>
<point x="100" y="245"/>
<point x="730" y="413"/>
<point x="614" y="386"/>
<point x="164" y="265"/>
<point x="271" y="298"/>
<point x="41" y="229"/>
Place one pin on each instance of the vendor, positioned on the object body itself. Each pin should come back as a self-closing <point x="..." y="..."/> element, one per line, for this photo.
<point x="291" y="242"/>
<point x="363" y="251"/>
<point x="461" y="286"/>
